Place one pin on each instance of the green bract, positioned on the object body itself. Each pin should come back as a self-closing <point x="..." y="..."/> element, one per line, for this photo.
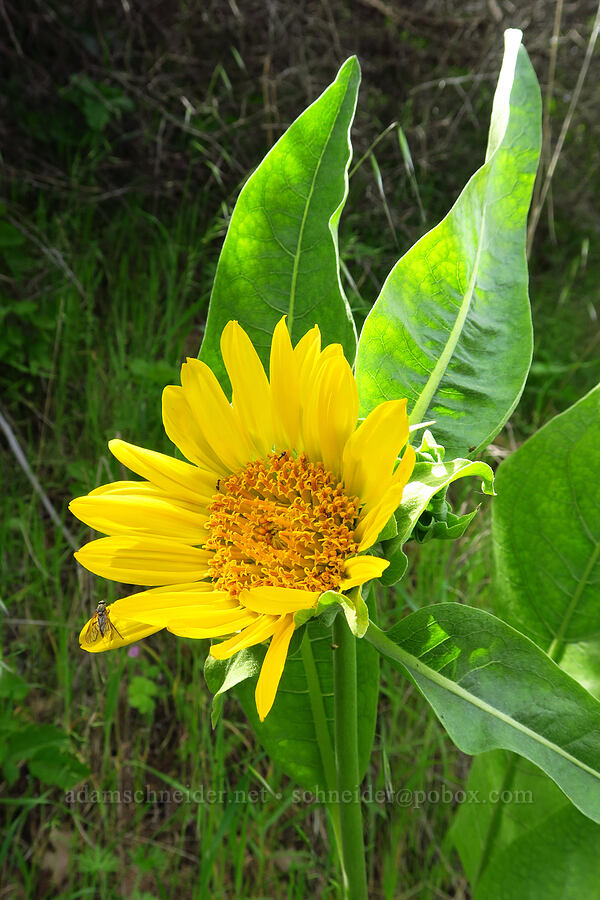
<point x="430" y="478"/>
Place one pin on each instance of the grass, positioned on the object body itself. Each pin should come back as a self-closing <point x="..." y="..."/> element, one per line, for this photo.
<point x="101" y="301"/>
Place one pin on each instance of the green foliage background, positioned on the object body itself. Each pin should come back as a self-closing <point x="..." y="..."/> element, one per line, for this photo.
<point x="126" y="135"/>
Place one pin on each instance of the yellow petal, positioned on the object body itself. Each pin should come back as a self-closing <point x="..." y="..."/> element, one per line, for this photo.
<point x="137" y="488"/>
<point x="359" y="569"/>
<point x="181" y="428"/>
<point x="119" y="633"/>
<point x="145" y="561"/>
<point x="331" y="412"/>
<point x="188" y="610"/>
<point x="371" y="524"/>
<point x="147" y="489"/>
<point x="261" y="629"/>
<point x="191" y="628"/>
<point x="273" y="666"/>
<point x="308" y="347"/>
<point x="214" y="416"/>
<point x="278" y="601"/>
<point x="405" y="467"/>
<point x="307" y="352"/>
<point x="370" y="453"/>
<point x="208" y="617"/>
<point x="251" y="392"/>
<point x="175" y="477"/>
<point x="127" y="513"/>
<point x="162" y="605"/>
<point x="285" y="389"/>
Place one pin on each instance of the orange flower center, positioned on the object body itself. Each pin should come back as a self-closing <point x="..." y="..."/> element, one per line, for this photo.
<point x="282" y="521"/>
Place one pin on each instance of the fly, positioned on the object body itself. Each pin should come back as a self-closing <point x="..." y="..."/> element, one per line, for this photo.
<point x="100" y="625"/>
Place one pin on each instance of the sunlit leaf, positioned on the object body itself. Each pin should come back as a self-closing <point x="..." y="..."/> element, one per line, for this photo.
<point x="280" y="255"/>
<point x="451" y="329"/>
<point x="491" y="688"/>
<point x="546" y="531"/>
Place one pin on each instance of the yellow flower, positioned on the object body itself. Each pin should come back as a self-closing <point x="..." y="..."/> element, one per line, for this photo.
<point x="281" y="496"/>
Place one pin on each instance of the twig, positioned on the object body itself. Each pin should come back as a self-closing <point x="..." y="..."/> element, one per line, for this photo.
<point x="52" y="253"/>
<point x="535" y="215"/>
<point x="41" y="623"/>
<point x="10" y="29"/>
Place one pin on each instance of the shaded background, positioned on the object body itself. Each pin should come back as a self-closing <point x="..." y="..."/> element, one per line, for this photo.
<point x="127" y="130"/>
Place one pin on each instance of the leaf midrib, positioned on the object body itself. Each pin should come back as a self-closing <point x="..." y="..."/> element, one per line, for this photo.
<point x="441" y="365"/>
<point x="394" y="651"/>
<point x="439" y="370"/>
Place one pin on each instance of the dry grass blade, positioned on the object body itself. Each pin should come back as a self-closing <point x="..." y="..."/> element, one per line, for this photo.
<point x="547" y="181"/>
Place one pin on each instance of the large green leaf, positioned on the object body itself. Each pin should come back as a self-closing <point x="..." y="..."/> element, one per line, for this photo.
<point x="491" y="687"/>
<point x="298" y="732"/>
<point x="451" y="329"/>
<point x="546" y="531"/>
<point x="542" y="846"/>
<point x="280" y="254"/>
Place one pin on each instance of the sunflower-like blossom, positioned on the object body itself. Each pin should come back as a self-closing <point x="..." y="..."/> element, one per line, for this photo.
<point x="283" y="493"/>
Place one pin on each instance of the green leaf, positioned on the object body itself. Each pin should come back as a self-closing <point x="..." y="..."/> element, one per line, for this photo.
<point x="546" y="527"/>
<point x="142" y="693"/>
<point x="397" y="567"/>
<point x="326" y="609"/>
<point x="451" y="329"/>
<point x="224" y="674"/>
<point x="389" y="530"/>
<point x="491" y="687"/>
<point x="299" y="727"/>
<point x="57" y="767"/>
<point x="32" y="739"/>
<point x="427" y="480"/>
<point x="543" y="846"/>
<point x="280" y="255"/>
<point x="546" y="532"/>
<point x="356" y="612"/>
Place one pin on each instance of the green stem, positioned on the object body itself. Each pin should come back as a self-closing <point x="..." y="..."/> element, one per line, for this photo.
<point x="315" y="696"/>
<point x="346" y="756"/>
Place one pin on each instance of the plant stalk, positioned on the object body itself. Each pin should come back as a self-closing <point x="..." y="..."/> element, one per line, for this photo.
<point x="346" y="757"/>
<point x="323" y="738"/>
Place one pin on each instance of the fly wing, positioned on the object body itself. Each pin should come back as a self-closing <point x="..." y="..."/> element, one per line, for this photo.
<point x="93" y="631"/>
<point x="112" y="627"/>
